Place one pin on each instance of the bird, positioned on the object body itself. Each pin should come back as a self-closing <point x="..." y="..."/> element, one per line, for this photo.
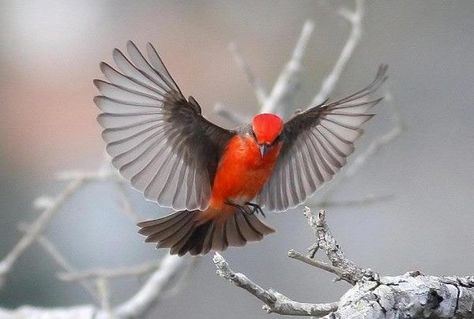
<point x="216" y="180"/>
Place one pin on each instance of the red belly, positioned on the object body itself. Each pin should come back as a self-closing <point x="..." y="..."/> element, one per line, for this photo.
<point x="242" y="172"/>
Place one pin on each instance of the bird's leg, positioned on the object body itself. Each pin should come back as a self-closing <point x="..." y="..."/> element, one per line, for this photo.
<point x="239" y="207"/>
<point x="256" y="208"/>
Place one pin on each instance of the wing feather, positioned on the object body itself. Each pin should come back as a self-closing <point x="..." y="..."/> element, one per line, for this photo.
<point x="316" y="144"/>
<point x="158" y="140"/>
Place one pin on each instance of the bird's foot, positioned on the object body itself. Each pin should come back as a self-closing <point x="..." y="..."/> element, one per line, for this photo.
<point x="249" y="208"/>
<point x="256" y="209"/>
<point x="243" y="209"/>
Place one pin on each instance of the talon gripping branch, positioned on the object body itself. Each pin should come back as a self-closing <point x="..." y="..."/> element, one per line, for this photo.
<point x="217" y="179"/>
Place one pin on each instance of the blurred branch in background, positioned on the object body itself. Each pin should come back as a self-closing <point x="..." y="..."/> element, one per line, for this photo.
<point x="355" y="18"/>
<point x="360" y="160"/>
<point x="411" y="295"/>
<point x="285" y="88"/>
<point x="167" y="272"/>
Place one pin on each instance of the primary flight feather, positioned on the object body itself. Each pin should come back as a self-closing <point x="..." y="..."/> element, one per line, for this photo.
<point x="217" y="179"/>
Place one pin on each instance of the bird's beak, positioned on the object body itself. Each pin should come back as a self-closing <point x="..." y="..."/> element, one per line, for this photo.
<point x="264" y="149"/>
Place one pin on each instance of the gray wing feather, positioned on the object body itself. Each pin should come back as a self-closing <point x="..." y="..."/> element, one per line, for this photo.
<point x="158" y="140"/>
<point x="316" y="144"/>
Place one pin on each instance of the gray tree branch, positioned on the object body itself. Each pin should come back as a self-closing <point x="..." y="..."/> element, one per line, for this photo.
<point x="164" y="273"/>
<point x="274" y="301"/>
<point x="412" y="295"/>
<point x="355" y="18"/>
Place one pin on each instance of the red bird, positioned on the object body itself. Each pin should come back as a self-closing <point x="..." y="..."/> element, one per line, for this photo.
<point x="217" y="179"/>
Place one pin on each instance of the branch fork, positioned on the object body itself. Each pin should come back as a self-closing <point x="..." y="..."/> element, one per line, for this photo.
<point x="412" y="295"/>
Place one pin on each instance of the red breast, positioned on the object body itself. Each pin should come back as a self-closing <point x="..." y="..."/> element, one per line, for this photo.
<point x="241" y="173"/>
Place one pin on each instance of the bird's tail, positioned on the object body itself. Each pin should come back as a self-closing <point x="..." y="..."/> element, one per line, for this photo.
<point x="185" y="231"/>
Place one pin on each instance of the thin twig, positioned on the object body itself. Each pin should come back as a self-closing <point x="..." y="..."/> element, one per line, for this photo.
<point x="149" y="294"/>
<point x="102" y="285"/>
<point x="53" y="251"/>
<point x="350" y="272"/>
<point x="363" y="201"/>
<point x="286" y="87"/>
<point x="38" y="226"/>
<point x="233" y="117"/>
<point x="137" y="270"/>
<point x="274" y="301"/>
<point x="378" y="144"/>
<point x="373" y="149"/>
<point x="126" y="206"/>
<point x="315" y="263"/>
<point x="255" y="82"/>
<point x="355" y="18"/>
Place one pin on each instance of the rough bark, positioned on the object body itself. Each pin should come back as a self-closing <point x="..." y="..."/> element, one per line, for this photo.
<point x="412" y="295"/>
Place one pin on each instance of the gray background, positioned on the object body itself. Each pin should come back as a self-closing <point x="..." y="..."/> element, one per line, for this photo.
<point x="49" y="53"/>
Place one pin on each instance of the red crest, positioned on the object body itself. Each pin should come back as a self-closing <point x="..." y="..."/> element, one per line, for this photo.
<point x="267" y="127"/>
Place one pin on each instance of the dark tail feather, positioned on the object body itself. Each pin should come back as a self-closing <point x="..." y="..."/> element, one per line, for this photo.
<point x="183" y="232"/>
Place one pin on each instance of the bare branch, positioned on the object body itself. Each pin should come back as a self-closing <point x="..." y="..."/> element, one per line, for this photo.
<point x="98" y="176"/>
<point x="378" y="143"/>
<point x="350" y="272"/>
<point x="412" y="295"/>
<point x="232" y="117"/>
<point x="315" y="263"/>
<point x="355" y="18"/>
<point x="125" y="204"/>
<point x="51" y="250"/>
<point x="104" y="294"/>
<point x="137" y="270"/>
<point x="274" y="301"/>
<point x="286" y="86"/>
<point x="81" y="311"/>
<point x="373" y="149"/>
<point x="37" y="227"/>
<point x="256" y="83"/>
<point x="363" y="201"/>
<point x="149" y="295"/>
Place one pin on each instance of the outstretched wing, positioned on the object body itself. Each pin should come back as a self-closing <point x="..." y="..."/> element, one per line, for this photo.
<point x="158" y="140"/>
<point x="316" y="144"/>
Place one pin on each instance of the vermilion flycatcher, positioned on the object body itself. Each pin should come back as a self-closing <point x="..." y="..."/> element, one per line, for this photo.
<point x="217" y="179"/>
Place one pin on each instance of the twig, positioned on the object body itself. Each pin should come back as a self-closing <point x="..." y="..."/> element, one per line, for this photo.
<point x="102" y="285"/>
<point x="125" y="204"/>
<point x="149" y="294"/>
<point x="355" y="18"/>
<point x="286" y="86"/>
<point x="315" y="263"/>
<point x="361" y="159"/>
<point x="380" y="142"/>
<point x="255" y="82"/>
<point x="138" y="304"/>
<point x="51" y="249"/>
<point x="274" y="301"/>
<point x="350" y="272"/>
<point x="284" y="89"/>
<point x="137" y="270"/>
<point x="100" y="175"/>
<point x="363" y="201"/>
<point x="38" y="226"/>
<point x="234" y="118"/>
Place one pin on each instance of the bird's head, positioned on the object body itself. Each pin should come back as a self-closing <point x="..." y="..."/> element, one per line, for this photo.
<point x="266" y="128"/>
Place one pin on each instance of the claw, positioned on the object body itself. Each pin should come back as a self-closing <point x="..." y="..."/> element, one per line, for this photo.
<point x="255" y="208"/>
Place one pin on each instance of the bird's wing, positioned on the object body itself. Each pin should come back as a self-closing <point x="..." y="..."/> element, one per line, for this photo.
<point x="158" y="140"/>
<point x="315" y="146"/>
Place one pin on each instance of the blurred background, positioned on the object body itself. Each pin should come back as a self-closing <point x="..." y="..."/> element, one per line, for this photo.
<point x="49" y="54"/>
